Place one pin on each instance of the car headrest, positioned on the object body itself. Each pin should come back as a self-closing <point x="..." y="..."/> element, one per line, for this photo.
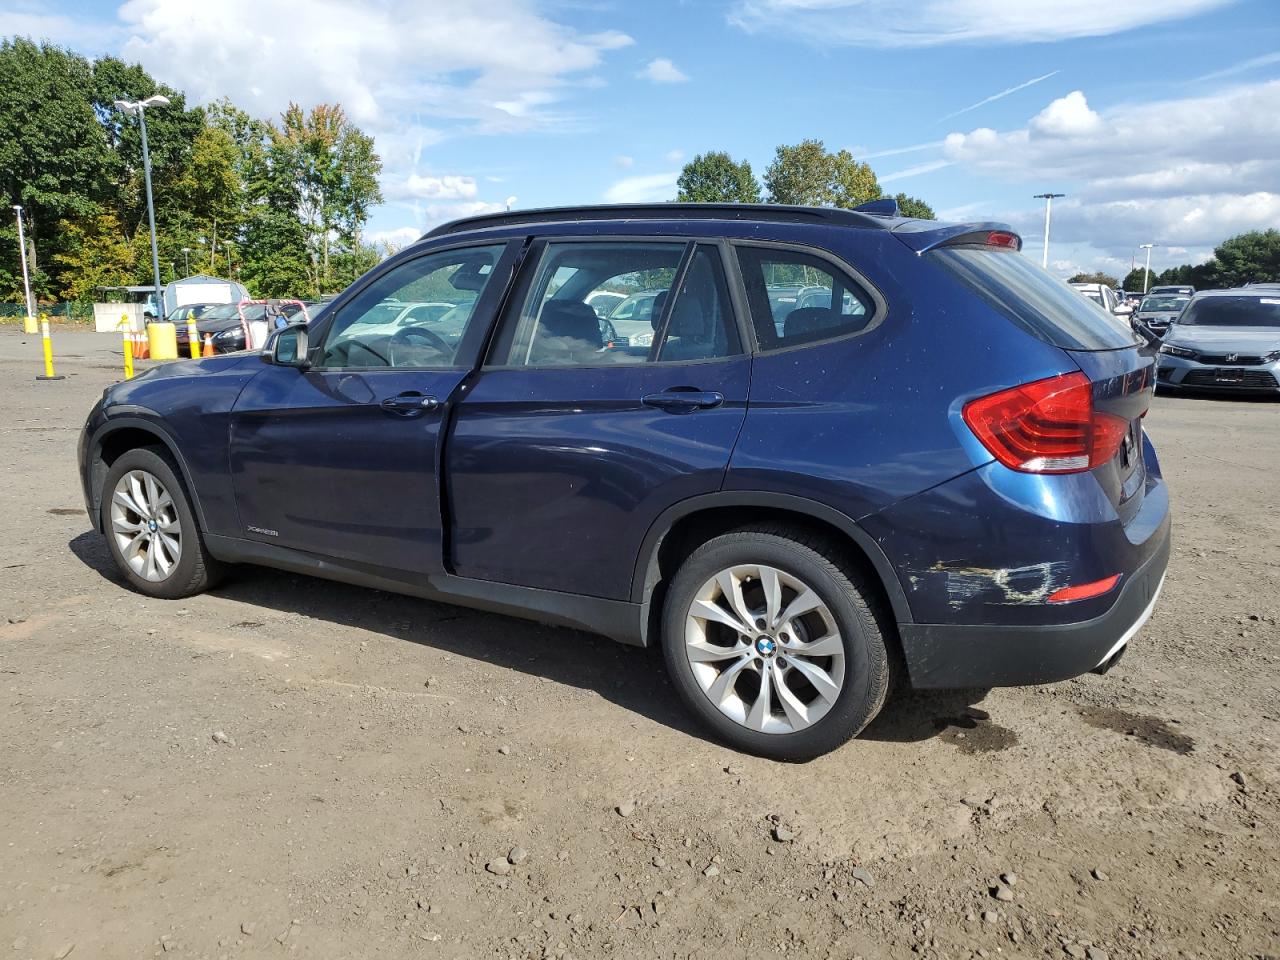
<point x="659" y="304"/>
<point x="808" y="320"/>
<point x="571" y="320"/>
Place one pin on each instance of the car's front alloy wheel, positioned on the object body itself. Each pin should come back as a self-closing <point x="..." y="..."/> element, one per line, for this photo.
<point x="144" y="523"/>
<point x="151" y="528"/>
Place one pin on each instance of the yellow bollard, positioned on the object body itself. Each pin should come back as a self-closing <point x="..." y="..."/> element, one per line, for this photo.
<point x="29" y="324"/>
<point x="48" y="350"/>
<point x="193" y="337"/>
<point x="127" y="330"/>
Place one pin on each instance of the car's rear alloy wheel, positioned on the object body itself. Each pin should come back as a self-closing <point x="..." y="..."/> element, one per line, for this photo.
<point x="151" y="528"/>
<point x="774" y="642"/>
<point x="144" y="523"/>
<point x="764" y="648"/>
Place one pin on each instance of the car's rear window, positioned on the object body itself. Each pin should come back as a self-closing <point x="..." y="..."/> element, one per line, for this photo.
<point x="1036" y="301"/>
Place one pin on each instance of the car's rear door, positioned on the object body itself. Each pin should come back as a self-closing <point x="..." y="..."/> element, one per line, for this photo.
<point x="566" y="448"/>
<point x="340" y="460"/>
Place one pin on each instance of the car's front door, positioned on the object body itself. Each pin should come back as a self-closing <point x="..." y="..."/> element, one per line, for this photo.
<point x="339" y="460"/>
<point x="566" y="448"/>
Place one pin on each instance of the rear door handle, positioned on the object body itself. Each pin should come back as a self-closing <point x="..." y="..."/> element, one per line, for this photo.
<point x="409" y="403"/>
<point x="679" y="400"/>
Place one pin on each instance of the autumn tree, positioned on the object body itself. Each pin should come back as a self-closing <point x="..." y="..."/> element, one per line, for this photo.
<point x="808" y="174"/>
<point x="914" y="207"/>
<point x="1103" y="278"/>
<point x="332" y="170"/>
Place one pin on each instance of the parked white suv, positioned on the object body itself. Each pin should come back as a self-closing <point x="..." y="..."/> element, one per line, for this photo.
<point x="1104" y="297"/>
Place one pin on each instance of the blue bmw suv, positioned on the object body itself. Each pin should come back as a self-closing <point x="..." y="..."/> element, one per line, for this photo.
<point x="931" y="468"/>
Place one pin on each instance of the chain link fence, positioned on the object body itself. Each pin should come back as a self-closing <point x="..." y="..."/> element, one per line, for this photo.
<point x="67" y="312"/>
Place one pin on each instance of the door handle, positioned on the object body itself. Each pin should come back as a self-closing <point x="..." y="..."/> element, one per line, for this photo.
<point x="683" y="400"/>
<point x="409" y="403"/>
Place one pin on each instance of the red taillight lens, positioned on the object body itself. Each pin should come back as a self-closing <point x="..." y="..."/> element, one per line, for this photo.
<point x="1083" y="591"/>
<point x="1002" y="238"/>
<point x="1048" y="426"/>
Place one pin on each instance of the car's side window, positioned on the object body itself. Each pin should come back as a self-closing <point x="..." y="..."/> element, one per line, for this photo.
<point x="797" y="298"/>
<point x="557" y="325"/>
<point x="413" y="315"/>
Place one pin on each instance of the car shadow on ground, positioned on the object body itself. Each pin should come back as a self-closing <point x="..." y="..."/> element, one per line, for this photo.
<point x="631" y="677"/>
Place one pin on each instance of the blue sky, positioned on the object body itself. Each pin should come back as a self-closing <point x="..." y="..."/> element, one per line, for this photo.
<point x="1157" y="118"/>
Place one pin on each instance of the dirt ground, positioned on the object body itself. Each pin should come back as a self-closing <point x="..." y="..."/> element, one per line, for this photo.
<point x="383" y="756"/>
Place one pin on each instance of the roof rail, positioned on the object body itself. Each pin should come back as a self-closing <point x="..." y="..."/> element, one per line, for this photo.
<point x="830" y="216"/>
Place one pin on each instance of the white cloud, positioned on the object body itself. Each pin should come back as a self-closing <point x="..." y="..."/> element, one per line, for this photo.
<point x="1172" y="143"/>
<point x="663" y="70"/>
<point x="438" y="213"/>
<point x="623" y="161"/>
<point x="922" y="23"/>
<point x="447" y="187"/>
<point x="673" y="156"/>
<point x="1183" y="173"/>
<point x="394" y="239"/>
<point x="496" y="65"/>
<point x="79" y="32"/>
<point x="648" y="188"/>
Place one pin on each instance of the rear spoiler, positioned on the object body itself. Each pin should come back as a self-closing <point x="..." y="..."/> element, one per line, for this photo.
<point x="924" y="235"/>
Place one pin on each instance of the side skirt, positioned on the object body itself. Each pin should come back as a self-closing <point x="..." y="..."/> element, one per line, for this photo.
<point x="616" y="619"/>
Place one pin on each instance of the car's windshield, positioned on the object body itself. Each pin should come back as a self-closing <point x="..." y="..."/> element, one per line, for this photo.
<point x="224" y="311"/>
<point x="1232" y="311"/>
<point x="1094" y="295"/>
<point x="1163" y="304"/>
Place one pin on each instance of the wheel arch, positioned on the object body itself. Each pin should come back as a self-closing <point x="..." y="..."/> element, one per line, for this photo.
<point x="117" y="437"/>
<point x="689" y="523"/>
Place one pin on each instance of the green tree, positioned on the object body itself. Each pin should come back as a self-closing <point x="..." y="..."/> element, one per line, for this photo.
<point x="714" y="177"/>
<point x="808" y="174"/>
<point x="1103" y="278"/>
<point x="1248" y="257"/>
<point x="95" y="254"/>
<point x="914" y="207"/>
<point x="1133" y="280"/>
<point x="52" y="154"/>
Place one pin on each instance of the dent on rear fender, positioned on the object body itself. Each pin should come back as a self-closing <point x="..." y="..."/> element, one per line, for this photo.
<point x="1007" y="585"/>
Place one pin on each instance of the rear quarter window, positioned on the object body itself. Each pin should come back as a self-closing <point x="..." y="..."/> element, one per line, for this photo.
<point x="1036" y="301"/>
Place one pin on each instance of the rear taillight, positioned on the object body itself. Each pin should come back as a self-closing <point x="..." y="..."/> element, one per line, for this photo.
<point x="1049" y="426"/>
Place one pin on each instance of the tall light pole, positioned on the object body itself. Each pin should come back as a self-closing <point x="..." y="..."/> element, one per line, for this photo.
<point x="26" y="277"/>
<point x="139" y="107"/>
<point x="186" y="263"/>
<point x="1146" y="273"/>
<point x="1048" y="199"/>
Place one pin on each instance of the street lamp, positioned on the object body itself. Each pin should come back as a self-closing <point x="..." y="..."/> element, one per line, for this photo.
<point x="26" y="277"/>
<point x="130" y="107"/>
<point x="1146" y="273"/>
<point x="186" y="262"/>
<point x="1048" y="199"/>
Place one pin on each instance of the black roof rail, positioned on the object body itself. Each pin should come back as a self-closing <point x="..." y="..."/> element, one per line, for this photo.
<point x="830" y="216"/>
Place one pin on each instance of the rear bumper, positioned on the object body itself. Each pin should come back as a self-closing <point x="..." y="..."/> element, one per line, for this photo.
<point x="969" y="655"/>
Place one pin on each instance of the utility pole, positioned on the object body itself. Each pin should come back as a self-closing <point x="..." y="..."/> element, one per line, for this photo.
<point x="186" y="262"/>
<point x="1048" y="199"/>
<point x="1146" y="273"/>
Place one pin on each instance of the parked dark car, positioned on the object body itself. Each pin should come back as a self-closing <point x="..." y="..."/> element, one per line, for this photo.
<point x="1226" y="340"/>
<point x="178" y="315"/>
<point x="1158" y="310"/>
<point x="941" y="476"/>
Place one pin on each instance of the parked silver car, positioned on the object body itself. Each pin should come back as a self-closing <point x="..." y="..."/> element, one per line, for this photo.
<point x="1224" y="340"/>
<point x="1157" y="311"/>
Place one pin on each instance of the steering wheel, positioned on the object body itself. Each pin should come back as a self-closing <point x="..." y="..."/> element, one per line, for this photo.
<point x="414" y="337"/>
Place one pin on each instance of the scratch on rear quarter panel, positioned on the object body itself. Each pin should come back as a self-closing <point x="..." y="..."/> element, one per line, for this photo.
<point x="1029" y="584"/>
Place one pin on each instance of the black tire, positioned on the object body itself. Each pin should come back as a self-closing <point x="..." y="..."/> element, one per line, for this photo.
<point x="195" y="571"/>
<point x="815" y="562"/>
